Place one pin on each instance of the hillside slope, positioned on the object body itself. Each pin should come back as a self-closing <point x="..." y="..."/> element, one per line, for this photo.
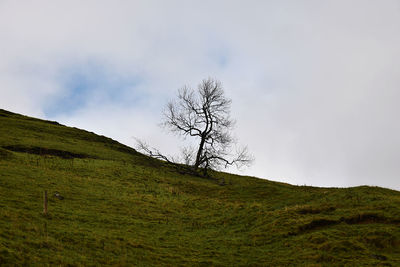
<point x="122" y="208"/>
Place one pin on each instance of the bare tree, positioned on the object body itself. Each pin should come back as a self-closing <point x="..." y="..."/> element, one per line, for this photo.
<point x="205" y="115"/>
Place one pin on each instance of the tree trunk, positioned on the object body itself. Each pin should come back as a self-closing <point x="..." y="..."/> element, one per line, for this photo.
<point x="198" y="156"/>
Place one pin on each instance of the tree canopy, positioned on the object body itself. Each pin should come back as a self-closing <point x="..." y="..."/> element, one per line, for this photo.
<point x="203" y="114"/>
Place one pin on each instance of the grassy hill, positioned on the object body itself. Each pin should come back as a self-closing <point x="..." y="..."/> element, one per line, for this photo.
<point x="122" y="208"/>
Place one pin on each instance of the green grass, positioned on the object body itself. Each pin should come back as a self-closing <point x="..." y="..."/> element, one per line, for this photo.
<point x="122" y="208"/>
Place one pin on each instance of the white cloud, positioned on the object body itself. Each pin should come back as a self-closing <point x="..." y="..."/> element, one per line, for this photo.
<point x="314" y="84"/>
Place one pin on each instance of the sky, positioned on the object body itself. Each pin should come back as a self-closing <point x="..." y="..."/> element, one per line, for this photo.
<point x="315" y="85"/>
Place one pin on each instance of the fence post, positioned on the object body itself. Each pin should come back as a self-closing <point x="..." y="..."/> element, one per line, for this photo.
<point x="45" y="202"/>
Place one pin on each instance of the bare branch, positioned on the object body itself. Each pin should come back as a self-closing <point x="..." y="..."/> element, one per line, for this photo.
<point x="152" y="152"/>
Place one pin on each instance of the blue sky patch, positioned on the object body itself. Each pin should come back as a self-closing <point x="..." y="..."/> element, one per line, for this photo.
<point x="93" y="83"/>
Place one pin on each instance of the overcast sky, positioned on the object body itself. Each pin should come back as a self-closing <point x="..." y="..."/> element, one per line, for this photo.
<point x="315" y="85"/>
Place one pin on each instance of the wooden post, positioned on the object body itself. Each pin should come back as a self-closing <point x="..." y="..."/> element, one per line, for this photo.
<point x="45" y="202"/>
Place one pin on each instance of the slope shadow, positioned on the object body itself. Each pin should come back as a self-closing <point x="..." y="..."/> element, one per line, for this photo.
<point x="42" y="151"/>
<point x="364" y="218"/>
